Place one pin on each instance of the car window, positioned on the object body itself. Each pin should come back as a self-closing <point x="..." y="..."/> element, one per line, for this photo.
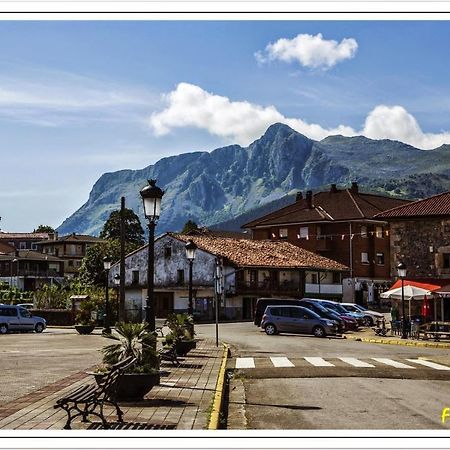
<point x="8" y="312"/>
<point x="274" y="311"/>
<point x="24" y="313"/>
<point x="297" y="312"/>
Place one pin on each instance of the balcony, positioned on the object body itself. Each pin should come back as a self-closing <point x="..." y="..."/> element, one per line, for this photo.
<point x="38" y="273"/>
<point x="287" y="287"/>
<point x="323" y="288"/>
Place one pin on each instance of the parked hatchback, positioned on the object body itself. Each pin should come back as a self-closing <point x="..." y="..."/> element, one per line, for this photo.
<point x="16" y="318"/>
<point x="296" y="319"/>
<point x="263" y="303"/>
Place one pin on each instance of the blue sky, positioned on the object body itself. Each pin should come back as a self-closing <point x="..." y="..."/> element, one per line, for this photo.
<point x="80" y="98"/>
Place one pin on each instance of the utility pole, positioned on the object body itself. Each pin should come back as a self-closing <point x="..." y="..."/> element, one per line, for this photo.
<point x="122" y="262"/>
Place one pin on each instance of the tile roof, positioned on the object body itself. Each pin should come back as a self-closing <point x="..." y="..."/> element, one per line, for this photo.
<point x="5" y="235"/>
<point x="437" y="205"/>
<point x="30" y="255"/>
<point x="219" y="233"/>
<point x="74" y="238"/>
<point x="6" y="248"/>
<point x="250" y="253"/>
<point x="329" y="206"/>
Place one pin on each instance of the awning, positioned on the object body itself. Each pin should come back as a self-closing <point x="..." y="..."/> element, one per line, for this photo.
<point x="443" y="291"/>
<point x="428" y="285"/>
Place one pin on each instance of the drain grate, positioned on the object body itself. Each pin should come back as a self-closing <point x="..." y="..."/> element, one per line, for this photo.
<point x="133" y="426"/>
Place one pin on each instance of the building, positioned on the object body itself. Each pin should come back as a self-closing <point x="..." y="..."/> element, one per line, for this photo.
<point x="28" y="270"/>
<point x="420" y="237"/>
<point x="341" y="225"/>
<point x="250" y="269"/>
<point x="71" y="249"/>
<point x="24" y="241"/>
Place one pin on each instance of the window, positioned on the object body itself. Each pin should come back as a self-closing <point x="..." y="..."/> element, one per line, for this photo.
<point x="304" y="233"/>
<point x="319" y="232"/>
<point x="33" y="246"/>
<point x="135" y="277"/>
<point x="167" y="252"/>
<point x="337" y="277"/>
<point x="180" y="276"/>
<point x="314" y="278"/>
<point x="24" y="313"/>
<point x="283" y="233"/>
<point x="23" y="245"/>
<point x="70" y="263"/>
<point x="380" y="259"/>
<point x="446" y="263"/>
<point x="364" y="258"/>
<point x="379" y="232"/>
<point x="363" y="231"/>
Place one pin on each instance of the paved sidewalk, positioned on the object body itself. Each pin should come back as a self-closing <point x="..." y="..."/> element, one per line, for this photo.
<point x="182" y="401"/>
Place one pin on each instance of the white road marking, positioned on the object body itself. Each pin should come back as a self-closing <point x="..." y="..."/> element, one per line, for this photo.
<point x="391" y="362"/>
<point x="281" y="361"/>
<point x="319" y="362"/>
<point x="245" y="363"/>
<point x="433" y="365"/>
<point x="356" y="362"/>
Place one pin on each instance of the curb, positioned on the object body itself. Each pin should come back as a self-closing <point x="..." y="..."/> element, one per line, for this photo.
<point x="218" y="396"/>
<point x="398" y="342"/>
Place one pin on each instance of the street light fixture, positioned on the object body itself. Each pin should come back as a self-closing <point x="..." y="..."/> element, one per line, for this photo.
<point x="191" y="249"/>
<point x="107" y="266"/>
<point x="401" y="271"/>
<point x="151" y="198"/>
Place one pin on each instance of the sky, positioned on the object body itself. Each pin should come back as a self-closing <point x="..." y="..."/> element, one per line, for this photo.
<point x="81" y="98"/>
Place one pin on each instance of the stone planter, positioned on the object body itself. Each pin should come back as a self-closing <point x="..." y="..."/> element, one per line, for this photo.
<point x="184" y="347"/>
<point x="84" y="329"/>
<point x="133" y="386"/>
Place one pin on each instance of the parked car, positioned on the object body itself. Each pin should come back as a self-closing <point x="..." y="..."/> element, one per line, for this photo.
<point x="336" y="306"/>
<point x="262" y="303"/>
<point x="26" y="305"/>
<point x="296" y="319"/>
<point x="16" y="318"/>
<point x="323" y="312"/>
<point x="370" y="317"/>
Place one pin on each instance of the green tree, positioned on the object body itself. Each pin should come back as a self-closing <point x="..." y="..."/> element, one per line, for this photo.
<point x="190" y="225"/>
<point x="44" y="229"/>
<point x="133" y="230"/>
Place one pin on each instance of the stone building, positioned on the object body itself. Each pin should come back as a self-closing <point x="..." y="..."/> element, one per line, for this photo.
<point x="250" y="269"/>
<point x="340" y="224"/>
<point x="420" y="237"/>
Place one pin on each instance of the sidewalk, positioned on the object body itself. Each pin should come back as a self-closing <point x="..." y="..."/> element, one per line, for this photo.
<point x="182" y="401"/>
<point x="368" y="335"/>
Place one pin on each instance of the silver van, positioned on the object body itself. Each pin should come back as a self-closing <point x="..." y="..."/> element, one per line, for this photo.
<point x="296" y="319"/>
<point x="16" y="318"/>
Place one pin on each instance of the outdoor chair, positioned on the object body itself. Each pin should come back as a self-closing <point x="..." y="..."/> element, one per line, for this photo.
<point x="91" y="398"/>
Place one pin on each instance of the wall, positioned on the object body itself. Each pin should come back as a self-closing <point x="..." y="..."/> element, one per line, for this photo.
<point x="410" y="242"/>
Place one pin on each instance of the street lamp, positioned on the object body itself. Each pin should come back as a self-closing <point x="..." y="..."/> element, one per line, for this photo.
<point x="191" y="249"/>
<point x="106" y="266"/>
<point x="117" y="284"/>
<point x="11" y="271"/>
<point x="151" y="198"/>
<point x="401" y="270"/>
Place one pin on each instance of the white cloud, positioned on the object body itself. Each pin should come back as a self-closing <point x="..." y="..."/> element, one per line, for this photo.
<point x="242" y="122"/>
<point x="310" y="51"/>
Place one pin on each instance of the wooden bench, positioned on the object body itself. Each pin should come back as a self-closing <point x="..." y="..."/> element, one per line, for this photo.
<point x="86" y="399"/>
<point x="441" y="330"/>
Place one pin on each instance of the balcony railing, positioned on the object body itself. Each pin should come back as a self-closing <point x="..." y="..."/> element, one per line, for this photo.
<point x="38" y="273"/>
<point x="287" y="286"/>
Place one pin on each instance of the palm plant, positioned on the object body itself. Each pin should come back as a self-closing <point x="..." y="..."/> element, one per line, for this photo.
<point x="134" y="339"/>
<point x="181" y="327"/>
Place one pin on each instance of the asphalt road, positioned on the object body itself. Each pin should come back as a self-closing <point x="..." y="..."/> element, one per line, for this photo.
<point x="337" y="395"/>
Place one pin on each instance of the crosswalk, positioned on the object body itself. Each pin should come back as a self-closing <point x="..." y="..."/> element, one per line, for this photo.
<point x="338" y="361"/>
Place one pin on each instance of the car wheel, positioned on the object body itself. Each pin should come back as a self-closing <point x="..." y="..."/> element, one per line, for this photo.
<point x="270" y="329"/>
<point x="368" y="321"/>
<point x="39" y="328"/>
<point x="3" y="328"/>
<point x="319" y="331"/>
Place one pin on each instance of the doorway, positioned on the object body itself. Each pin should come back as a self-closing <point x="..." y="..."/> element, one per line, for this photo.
<point x="163" y="304"/>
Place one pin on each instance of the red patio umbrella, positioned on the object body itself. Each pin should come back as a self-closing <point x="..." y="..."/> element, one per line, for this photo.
<point x="426" y="308"/>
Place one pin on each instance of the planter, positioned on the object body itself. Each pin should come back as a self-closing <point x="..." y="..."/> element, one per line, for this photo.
<point x="133" y="386"/>
<point x="184" y="347"/>
<point x="84" y="329"/>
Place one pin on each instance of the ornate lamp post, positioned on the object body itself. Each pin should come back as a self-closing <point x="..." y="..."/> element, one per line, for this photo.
<point x="117" y="285"/>
<point x="151" y="198"/>
<point x="106" y="266"/>
<point x="191" y="249"/>
<point x="401" y="270"/>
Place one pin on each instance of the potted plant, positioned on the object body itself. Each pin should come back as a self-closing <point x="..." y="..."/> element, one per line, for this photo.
<point x="84" y="323"/>
<point x="133" y="339"/>
<point x="181" y="333"/>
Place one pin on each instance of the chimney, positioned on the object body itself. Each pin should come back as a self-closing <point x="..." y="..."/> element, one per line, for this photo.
<point x="333" y="188"/>
<point x="299" y="196"/>
<point x="56" y="235"/>
<point x="354" y="188"/>
<point x="309" y="199"/>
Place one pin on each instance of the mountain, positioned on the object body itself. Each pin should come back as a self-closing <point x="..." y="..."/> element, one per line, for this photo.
<point x="218" y="186"/>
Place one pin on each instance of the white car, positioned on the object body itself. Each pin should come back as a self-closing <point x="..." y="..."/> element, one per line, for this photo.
<point x="370" y="316"/>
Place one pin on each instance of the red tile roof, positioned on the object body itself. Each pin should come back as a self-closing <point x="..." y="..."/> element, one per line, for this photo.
<point x="437" y="205"/>
<point x="5" y="235"/>
<point x="329" y="206"/>
<point x="74" y="238"/>
<point x="249" y="253"/>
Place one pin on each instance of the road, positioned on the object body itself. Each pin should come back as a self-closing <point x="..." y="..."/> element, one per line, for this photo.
<point x="302" y="382"/>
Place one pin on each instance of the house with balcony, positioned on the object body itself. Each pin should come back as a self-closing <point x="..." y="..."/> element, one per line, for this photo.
<point x="71" y="249"/>
<point x="341" y="225"/>
<point x="249" y="268"/>
<point x="28" y="270"/>
<point x="24" y="241"/>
